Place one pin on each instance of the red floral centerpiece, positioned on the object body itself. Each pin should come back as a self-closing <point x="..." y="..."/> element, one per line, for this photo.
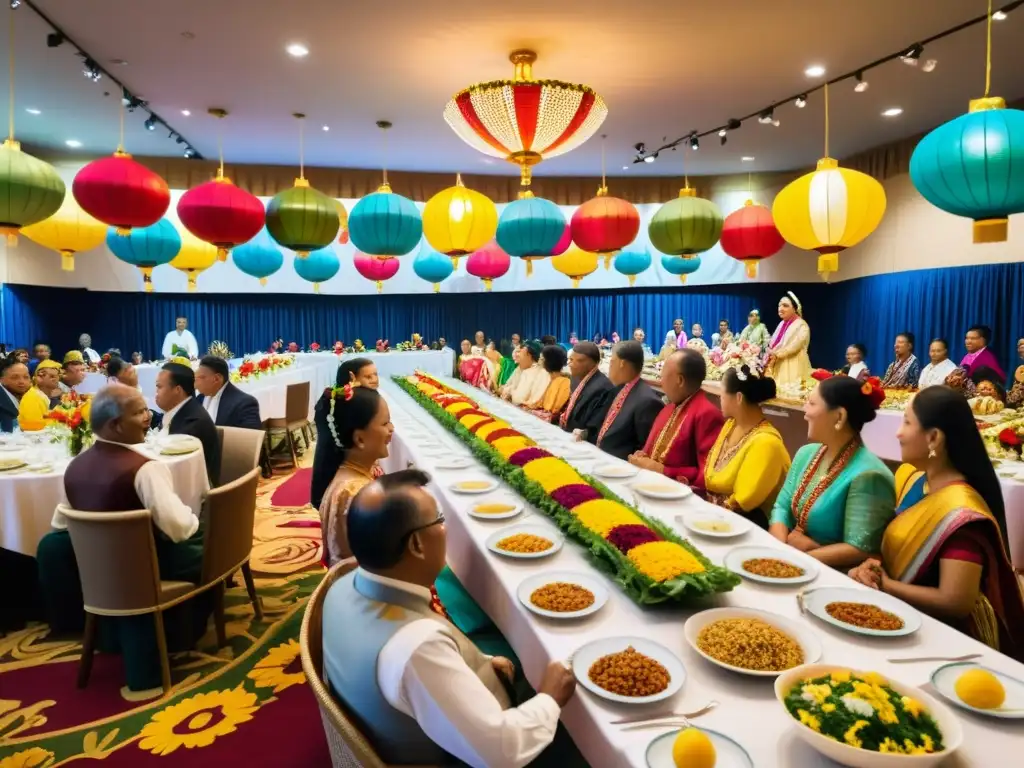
<point x="1010" y="439"/>
<point x="314" y="347"/>
<point x="72" y="413"/>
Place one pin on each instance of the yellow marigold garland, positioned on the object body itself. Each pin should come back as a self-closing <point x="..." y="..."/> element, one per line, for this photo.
<point x="486" y="429"/>
<point x="601" y="515"/>
<point x="456" y="407"/>
<point x="551" y="473"/>
<point x="471" y="419"/>
<point x="506" y="446"/>
<point x="663" y="560"/>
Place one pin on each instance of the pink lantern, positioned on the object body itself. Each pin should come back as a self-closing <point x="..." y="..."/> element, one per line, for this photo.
<point x="490" y="263"/>
<point x="564" y="241"/>
<point x="376" y="268"/>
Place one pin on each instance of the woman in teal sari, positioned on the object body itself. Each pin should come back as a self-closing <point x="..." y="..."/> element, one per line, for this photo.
<point x="838" y="496"/>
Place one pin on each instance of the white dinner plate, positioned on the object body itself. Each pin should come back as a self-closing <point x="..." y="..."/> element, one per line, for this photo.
<point x="517" y="507"/>
<point x="462" y="486"/>
<point x="728" y="753"/>
<point x="816" y="601"/>
<point x="662" y="490"/>
<point x="548" y="533"/>
<point x="615" y="471"/>
<point x="944" y="681"/>
<point x="737" y="524"/>
<point x="454" y="462"/>
<point x="735" y="558"/>
<point x="585" y="580"/>
<point x="798" y="631"/>
<point x="594" y="650"/>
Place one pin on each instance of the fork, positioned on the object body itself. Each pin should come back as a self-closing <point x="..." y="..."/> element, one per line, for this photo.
<point x="911" y="660"/>
<point x="667" y="716"/>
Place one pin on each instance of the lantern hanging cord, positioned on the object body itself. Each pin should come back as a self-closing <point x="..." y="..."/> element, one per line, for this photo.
<point x="10" y="45"/>
<point x="302" y="149"/>
<point x="120" y="143"/>
<point x="604" y="183"/>
<point x="988" y="52"/>
<point x="826" y="119"/>
<point x="220" y="147"/>
<point x="384" y="128"/>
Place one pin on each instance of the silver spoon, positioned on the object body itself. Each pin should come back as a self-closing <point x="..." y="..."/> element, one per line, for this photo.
<point x="667" y="715"/>
<point x="911" y="660"/>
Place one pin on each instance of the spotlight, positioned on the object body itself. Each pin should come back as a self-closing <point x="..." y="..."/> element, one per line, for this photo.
<point x="723" y="139"/>
<point x="801" y="101"/>
<point x="15" y="4"/>
<point x="150" y="123"/>
<point x="91" y="70"/>
<point x="912" y="54"/>
<point x="862" y="84"/>
<point x="766" y="117"/>
<point x="189" y="153"/>
<point x="733" y="124"/>
<point x="722" y="133"/>
<point x="179" y="140"/>
<point x="651" y="158"/>
<point x="694" y="143"/>
<point x="776" y="122"/>
<point x="54" y="40"/>
<point x="929" y="65"/>
<point x="639" y="147"/>
<point x="999" y="16"/>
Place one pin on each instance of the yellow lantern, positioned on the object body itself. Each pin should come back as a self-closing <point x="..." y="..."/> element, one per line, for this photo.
<point x="457" y="221"/>
<point x="194" y="257"/>
<point x="575" y="264"/>
<point x="69" y="231"/>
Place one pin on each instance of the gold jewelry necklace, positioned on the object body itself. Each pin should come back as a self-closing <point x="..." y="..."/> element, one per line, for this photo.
<point x="357" y="469"/>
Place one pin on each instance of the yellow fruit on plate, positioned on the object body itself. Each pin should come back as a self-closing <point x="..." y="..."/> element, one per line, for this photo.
<point x="980" y="689"/>
<point x="493" y="509"/>
<point x="693" y="749"/>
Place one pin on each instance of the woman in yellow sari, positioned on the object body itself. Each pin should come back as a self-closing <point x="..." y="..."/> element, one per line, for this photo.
<point x="35" y="403"/>
<point x="553" y="359"/>
<point x="945" y="552"/>
<point x="748" y="463"/>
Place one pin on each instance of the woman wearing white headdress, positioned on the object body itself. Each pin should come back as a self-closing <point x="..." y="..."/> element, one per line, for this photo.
<point x="787" y="351"/>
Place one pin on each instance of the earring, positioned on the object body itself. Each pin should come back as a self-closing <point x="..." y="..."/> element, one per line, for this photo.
<point x="359" y="445"/>
<point x="931" y="453"/>
<point x="838" y="426"/>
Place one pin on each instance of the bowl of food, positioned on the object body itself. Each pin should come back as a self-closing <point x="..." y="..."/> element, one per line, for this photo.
<point x="525" y="542"/>
<point x="563" y="595"/>
<point x="862" y="611"/>
<point x="771" y="565"/>
<point x="864" y="720"/>
<point x="751" y="642"/>
<point x="628" y="670"/>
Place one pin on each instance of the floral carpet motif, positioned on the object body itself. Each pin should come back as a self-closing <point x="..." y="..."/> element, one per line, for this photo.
<point x="246" y="703"/>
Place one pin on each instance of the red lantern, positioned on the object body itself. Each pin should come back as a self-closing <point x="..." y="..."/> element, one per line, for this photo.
<point x="605" y="225"/>
<point x="489" y="263"/>
<point x="121" y="192"/>
<point x="749" y="235"/>
<point x="221" y="214"/>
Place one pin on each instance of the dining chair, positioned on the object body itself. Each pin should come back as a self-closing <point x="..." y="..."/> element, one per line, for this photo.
<point x="296" y="417"/>
<point x="239" y="451"/>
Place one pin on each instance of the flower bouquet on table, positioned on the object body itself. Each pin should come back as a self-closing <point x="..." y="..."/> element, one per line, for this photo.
<point x="339" y="348"/>
<point x="314" y="347"/>
<point x="219" y="349"/>
<point x="382" y="345"/>
<point x="247" y="370"/>
<point x="1005" y="440"/>
<point x="645" y="557"/>
<point x="71" y="420"/>
<point x="1012" y="439"/>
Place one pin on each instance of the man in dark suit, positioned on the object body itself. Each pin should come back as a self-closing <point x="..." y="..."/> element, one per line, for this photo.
<point x="14" y="382"/>
<point x="589" y="386"/>
<point x="227" y="405"/>
<point x="184" y="415"/>
<point x="630" y="408"/>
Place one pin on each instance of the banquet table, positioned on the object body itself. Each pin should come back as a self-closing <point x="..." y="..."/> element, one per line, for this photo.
<point x="28" y="498"/>
<point x="747" y="711"/>
<point x="434" y="362"/>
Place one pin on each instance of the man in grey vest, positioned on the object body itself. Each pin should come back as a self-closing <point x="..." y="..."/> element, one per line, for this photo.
<point x="419" y="689"/>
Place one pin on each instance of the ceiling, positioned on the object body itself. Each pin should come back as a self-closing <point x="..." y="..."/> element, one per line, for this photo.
<point x="663" y="69"/>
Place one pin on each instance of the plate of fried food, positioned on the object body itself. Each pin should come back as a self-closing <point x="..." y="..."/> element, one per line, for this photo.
<point x="751" y="642"/>
<point x="628" y="670"/>
<point x="771" y="565"/>
<point x="495" y="509"/>
<point x="861" y="611"/>
<point x="526" y="542"/>
<point x="563" y="595"/>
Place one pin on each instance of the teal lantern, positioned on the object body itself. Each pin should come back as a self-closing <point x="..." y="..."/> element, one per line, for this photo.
<point x="632" y="263"/>
<point x="259" y="258"/>
<point x="681" y="265"/>
<point x="432" y="266"/>
<point x="973" y="166"/>
<point x="686" y="226"/>
<point x="146" y="247"/>
<point x="318" y="267"/>
<point x="30" y="190"/>
<point x="530" y="228"/>
<point x="385" y="224"/>
<point x="302" y="218"/>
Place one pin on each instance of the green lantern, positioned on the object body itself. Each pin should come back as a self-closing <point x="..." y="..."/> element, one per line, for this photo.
<point x="302" y="218"/>
<point x="686" y="226"/>
<point x="30" y="190"/>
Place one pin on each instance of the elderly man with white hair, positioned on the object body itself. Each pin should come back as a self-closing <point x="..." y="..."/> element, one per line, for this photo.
<point x="112" y="476"/>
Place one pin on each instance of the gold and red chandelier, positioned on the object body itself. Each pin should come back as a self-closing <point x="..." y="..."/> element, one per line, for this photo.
<point x="523" y="120"/>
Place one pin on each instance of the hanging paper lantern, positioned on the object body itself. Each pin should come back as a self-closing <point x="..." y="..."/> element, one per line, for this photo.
<point x="121" y="192"/>
<point x="632" y="263"/>
<point x="489" y="263"/>
<point x="302" y="218"/>
<point x="221" y="214"/>
<point x="195" y="257"/>
<point x="376" y="268"/>
<point x="530" y="228"/>
<point x="342" y="223"/>
<point x="457" y="221"/>
<point x="575" y="264"/>
<point x="681" y="265"/>
<point x="146" y="247"/>
<point x="69" y="231"/>
<point x="30" y="190"/>
<point x="829" y="210"/>
<point x="973" y="166"/>
<point x="432" y="266"/>
<point x="563" y="242"/>
<point x="385" y="224"/>
<point x="685" y="226"/>
<point x="318" y="267"/>
<point x="259" y="257"/>
<point x="605" y="224"/>
<point x="749" y="235"/>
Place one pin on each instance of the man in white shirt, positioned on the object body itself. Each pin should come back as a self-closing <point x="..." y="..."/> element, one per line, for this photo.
<point x="180" y="342"/>
<point x="422" y="691"/>
<point x="227" y="405"/>
<point x="940" y="366"/>
<point x="85" y="344"/>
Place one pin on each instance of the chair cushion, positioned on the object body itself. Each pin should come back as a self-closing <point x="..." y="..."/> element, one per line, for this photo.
<point x="169" y="590"/>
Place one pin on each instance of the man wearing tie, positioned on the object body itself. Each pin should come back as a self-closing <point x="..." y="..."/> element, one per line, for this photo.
<point x="227" y="405"/>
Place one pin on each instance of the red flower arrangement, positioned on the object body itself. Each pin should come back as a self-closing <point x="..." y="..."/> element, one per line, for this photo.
<point x="339" y="347"/>
<point x="314" y="347"/>
<point x="1009" y="438"/>
<point x="264" y="364"/>
<point x="71" y="413"/>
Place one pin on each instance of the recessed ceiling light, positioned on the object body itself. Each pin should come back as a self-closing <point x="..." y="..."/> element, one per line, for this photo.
<point x="73" y="143"/>
<point x="186" y="112"/>
<point x="815" y="70"/>
<point x="999" y="16"/>
<point x="33" y="111"/>
<point x="892" y="112"/>
<point x="625" y="167"/>
<point x="325" y="127"/>
<point x="747" y="158"/>
<point x="298" y="50"/>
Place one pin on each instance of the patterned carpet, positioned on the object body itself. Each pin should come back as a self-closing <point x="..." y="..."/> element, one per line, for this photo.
<point x="246" y="703"/>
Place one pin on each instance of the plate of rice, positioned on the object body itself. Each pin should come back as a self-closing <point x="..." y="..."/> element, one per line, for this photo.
<point x="864" y="720"/>
<point x="751" y="642"/>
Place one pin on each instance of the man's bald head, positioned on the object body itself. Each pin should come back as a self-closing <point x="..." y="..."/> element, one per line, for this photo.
<point x="120" y="414"/>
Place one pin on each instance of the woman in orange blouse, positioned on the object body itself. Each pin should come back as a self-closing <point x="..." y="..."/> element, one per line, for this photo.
<point x="553" y="359"/>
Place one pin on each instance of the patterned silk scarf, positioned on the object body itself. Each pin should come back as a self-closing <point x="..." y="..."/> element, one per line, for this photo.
<point x="564" y="418"/>
<point x="616" y="407"/>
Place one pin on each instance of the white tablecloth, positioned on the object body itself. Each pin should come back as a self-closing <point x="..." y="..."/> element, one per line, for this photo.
<point x="434" y="362"/>
<point x="748" y="710"/>
<point x="27" y="500"/>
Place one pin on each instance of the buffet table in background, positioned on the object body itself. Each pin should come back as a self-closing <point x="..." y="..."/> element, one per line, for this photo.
<point x="748" y="711"/>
